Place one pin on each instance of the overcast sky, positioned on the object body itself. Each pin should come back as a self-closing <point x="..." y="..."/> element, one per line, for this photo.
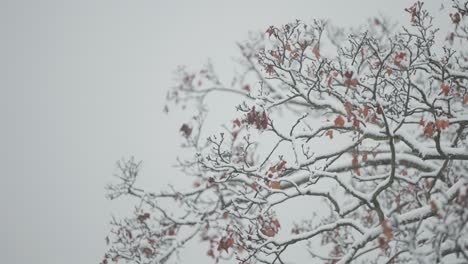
<point x="83" y="84"/>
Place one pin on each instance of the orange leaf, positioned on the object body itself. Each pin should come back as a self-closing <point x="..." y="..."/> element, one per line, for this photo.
<point x="465" y="99"/>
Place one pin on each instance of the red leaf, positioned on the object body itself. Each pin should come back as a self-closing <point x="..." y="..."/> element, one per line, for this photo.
<point x="281" y="165"/>
<point x="356" y="123"/>
<point x="348" y="74"/>
<point x="349" y="108"/>
<point x="210" y="253"/>
<point x="274" y="54"/>
<point x="269" y="232"/>
<point x="429" y="129"/>
<point x="365" y="111"/>
<point x="276" y="223"/>
<point x="225" y="244"/>
<point x="421" y="122"/>
<point x="399" y="57"/>
<point x="445" y="89"/>
<point x="351" y="82"/>
<point x="355" y="163"/>
<point x="148" y="252"/>
<point x="264" y="121"/>
<point x="442" y="123"/>
<point x="465" y="99"/>
<point x="269" y="69"/>
<point x="254" y="185"/>
<point x="237" y="122"/>
<point x="364" y="157"/>
<point x="246" y="88"/>
<point x="270" y="31"/>
<point x="316" y="51"/>
<point x="455" y="18"/>
<point x="329" y="133"/>
<point x="339" y="121"/>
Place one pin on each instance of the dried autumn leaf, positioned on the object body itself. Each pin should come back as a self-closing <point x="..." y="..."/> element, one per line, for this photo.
<point x="275" y="185"/>
<point x="225" y="244"/>
<point x="269" y="232"/>
<point x="422" y="122"/>
<point x="210" y="253"/>
<point x="348" y="74"/>
<point x="387" y="230"/>
<point x="339" y="121"/>
<point x="456" y="18"/>
<point x="365" y="111"/>
<point x="348" y="107"/>
<point x="237" y="122"/>
<point x="281" y="165"/>
<point x="186" y="130"/>
<point x="429" y="129"/>
<point x="445" y="88"/>
<point x="465" y="99"/>
<point x="364" y="157"/>
<point x="355" y="164"/>
<point x="329" y="133"/>
<point x="442" y="123"/>
<point x="399" y="57"/>
<point x="356" y="122"/>
<point x="434" y="207"/>
<point x="147" y="252"/>
<point x="316" y="51"/>
<point x="269" y="69"/>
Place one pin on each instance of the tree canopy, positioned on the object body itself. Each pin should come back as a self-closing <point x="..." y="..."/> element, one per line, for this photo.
<point x="369" y="122"/>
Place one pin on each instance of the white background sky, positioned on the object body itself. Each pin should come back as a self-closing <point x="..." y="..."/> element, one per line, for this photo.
<point x="83" y="84"/>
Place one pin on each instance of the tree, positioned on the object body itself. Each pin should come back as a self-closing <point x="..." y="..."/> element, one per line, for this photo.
<point x="390" y="105"/>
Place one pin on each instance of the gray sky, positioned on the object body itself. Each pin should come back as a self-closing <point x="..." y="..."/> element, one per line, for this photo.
<point x="83" y="84"/>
